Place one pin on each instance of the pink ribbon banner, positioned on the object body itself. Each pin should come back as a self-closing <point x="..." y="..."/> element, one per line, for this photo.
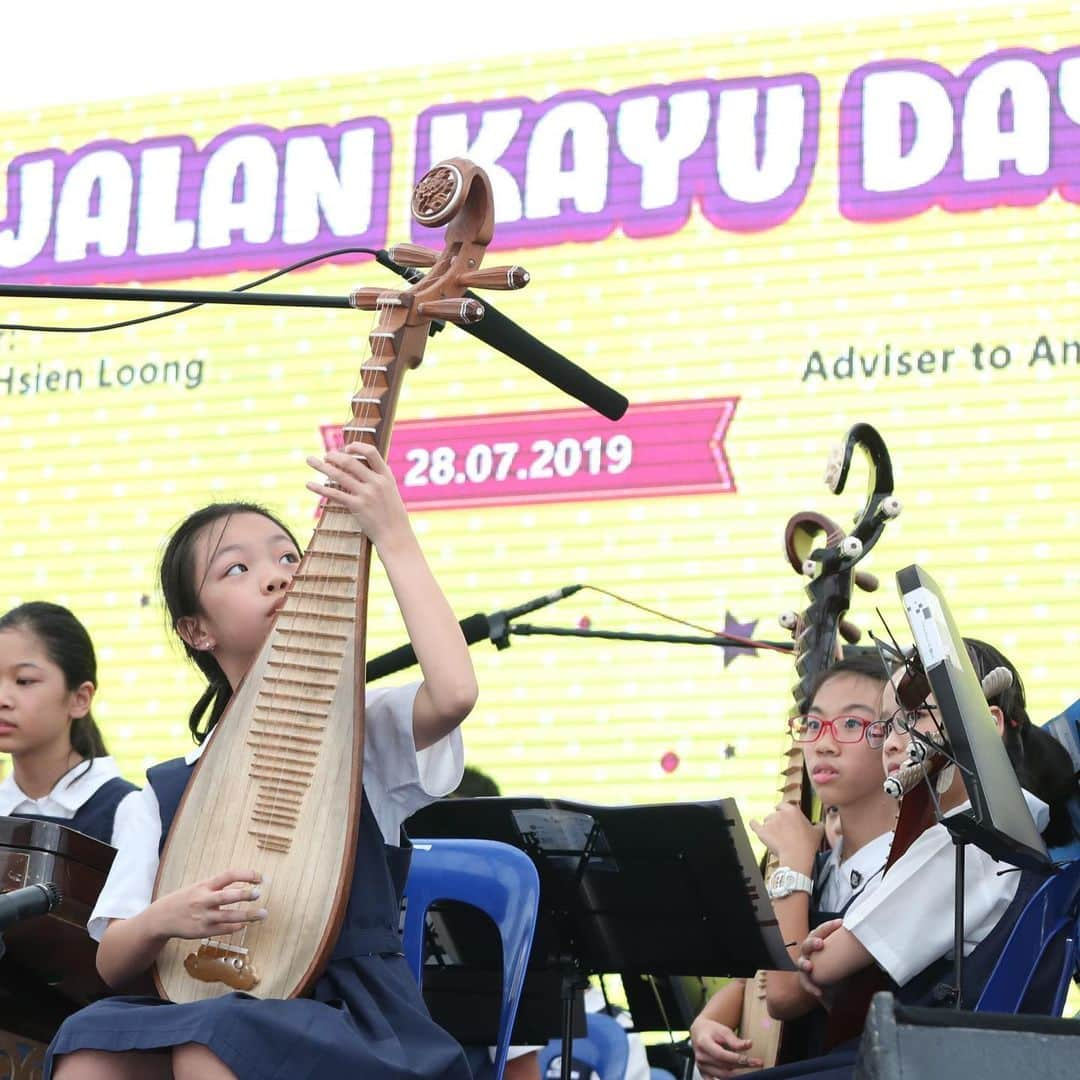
<point x="661" y="448"/>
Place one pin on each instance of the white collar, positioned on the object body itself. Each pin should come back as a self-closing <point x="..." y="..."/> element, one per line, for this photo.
<point x="866" y="862"/>
<point x="71" y="791"/>
<point x="193" y="755"/>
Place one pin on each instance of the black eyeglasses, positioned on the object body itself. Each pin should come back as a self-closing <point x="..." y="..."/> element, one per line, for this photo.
<point x="902" y="720"/>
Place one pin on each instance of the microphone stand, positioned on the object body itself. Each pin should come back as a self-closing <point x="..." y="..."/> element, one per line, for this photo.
<point x="528" y="630"/>
<point x="497" y="330"/>
<point x="498" y="628"/>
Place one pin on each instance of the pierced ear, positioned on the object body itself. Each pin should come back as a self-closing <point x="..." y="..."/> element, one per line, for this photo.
<point x="191" y="632"/>
<point x="999" y="719"/>
<point x="81" y="699"/>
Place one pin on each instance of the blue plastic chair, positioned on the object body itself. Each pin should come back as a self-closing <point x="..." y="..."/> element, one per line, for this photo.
<point x="605" y="1049"/>
<point x="1065" y="727"/>
<point x="498" y="879"/>
<point x="1050" y="922"/>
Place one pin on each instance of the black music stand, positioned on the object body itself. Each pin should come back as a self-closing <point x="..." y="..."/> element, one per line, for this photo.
<point x="999" y="821"/>
<point x="635" y="890"/>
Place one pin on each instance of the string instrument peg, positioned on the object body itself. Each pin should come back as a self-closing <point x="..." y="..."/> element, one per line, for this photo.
<point x="462" y="312"/>
<point x="497" y="277"/>
<point x="810" y="567"/>
<point x="851" y="547"/>
<point x="371" y="298"/>
<point x="413" y="255"/>
<point x="866" y="581"/>
<point x="788" y="620"/>
<point x="891" y="507"/>
<point x="996" y="682"/>
<point x="849" y="632"/>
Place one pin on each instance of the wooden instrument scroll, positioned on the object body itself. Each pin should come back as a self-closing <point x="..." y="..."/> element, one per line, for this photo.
<point x="279" y="786"/>
<point x="832" y="573"/>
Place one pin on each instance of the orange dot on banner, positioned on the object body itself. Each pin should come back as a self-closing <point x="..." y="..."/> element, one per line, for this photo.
<point x="670" y="761"/>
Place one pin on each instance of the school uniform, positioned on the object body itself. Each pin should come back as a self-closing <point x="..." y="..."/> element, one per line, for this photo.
<point x="91" y="798"/>
<point x="365" y="1016"/>
<point x="906" y="924"/>
<point x="838" y="881"/>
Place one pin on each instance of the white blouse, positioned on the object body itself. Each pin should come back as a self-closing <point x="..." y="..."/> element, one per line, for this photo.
<point x="71" y="792"/>
<point x="843" y="878"/>
<point x="906" y="923"/>
<point x="398" y="779"/>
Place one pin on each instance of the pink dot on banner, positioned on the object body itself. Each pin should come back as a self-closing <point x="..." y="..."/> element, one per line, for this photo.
<point x="584" y="622"/>
<point x="670" y="761"/>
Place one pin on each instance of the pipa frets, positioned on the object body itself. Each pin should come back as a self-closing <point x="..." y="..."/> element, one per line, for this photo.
<point x="251" y="804"/>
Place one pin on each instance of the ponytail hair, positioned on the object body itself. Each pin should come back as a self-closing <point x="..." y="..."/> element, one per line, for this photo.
<point x="67" y="644"/>
<point x="180" y="591"/>
<point x="1041" y="763"/>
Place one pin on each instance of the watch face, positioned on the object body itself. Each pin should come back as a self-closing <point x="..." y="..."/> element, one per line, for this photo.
<point x="780" y="882"/>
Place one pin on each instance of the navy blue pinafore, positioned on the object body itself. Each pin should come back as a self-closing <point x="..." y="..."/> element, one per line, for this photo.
<point x="365" y="1016"/>
<point x="95" y="817"/>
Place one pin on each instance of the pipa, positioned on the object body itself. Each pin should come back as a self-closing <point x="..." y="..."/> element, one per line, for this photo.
<point x="278" y="788"/>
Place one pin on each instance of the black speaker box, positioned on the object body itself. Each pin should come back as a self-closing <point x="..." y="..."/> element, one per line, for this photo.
<point x="901" y="1043"/>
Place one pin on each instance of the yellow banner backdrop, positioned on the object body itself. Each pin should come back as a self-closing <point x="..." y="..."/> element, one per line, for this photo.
<point x="759" y="239"/>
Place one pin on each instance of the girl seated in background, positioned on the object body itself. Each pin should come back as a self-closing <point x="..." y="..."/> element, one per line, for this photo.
<point x="60" y="769"/>
<point x="845" y="771"/>
<point x="905" y="926"/>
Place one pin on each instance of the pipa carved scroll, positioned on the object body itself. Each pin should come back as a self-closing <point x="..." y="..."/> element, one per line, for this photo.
<point x="279" y="786"/>
<point x="831" y="570"/>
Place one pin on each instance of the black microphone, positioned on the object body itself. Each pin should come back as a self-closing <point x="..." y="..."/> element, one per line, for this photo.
<point x="500" y="620"/>
<point x="27" y="902"/>
<point x="475" y="628"/>
<point x="539" y="602"/>
<point x="501" y="333"/>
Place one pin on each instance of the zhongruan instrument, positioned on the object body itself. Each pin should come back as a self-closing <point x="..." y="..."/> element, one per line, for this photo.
<point x="279" y="786"/>
<point x="832" y="573"/>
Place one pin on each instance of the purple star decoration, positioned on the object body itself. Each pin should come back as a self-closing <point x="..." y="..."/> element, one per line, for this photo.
<point x="744" y="630"/>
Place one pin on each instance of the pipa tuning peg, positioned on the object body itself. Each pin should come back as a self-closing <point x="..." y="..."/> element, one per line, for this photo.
<point x="463" y="312"/>
<point x="413" y="255"/>
<point x="497" y="277"/>
<point x="369" y="298"/>
<point x="788" y="619"/>
<point x="891" y="506"/>
<point x="850" y="632"/>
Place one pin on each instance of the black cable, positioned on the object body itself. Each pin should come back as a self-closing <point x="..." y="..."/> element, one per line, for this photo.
<point x="189" y="307"/>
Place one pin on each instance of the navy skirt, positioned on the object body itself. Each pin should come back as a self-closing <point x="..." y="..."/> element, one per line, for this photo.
<point x="366" y="1020"/>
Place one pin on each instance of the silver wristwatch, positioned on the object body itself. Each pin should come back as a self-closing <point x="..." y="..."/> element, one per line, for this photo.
<point x="785" y="881"/>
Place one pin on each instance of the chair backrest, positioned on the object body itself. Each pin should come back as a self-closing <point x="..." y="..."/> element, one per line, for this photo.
<point x="1045" y="933"/>
<point x="498" y="879"/>
<point x="605" y="1049"/>
<point x="1065" y="727"/>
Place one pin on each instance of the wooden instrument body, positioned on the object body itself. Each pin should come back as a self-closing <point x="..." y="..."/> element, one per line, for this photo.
<point x="279" y="787"/>
<point x="832" y="573"/>
<point x="48" y="970"/>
